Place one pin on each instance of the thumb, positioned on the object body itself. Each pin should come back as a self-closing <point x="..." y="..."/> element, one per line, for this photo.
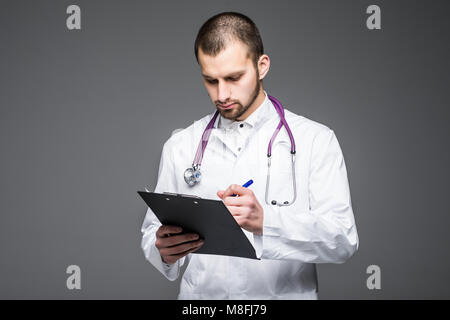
<point x="220" y="193"/>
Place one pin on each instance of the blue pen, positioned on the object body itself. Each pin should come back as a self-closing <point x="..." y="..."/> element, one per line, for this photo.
<point x="245" y="185"/>
<point x="248" y="183"/>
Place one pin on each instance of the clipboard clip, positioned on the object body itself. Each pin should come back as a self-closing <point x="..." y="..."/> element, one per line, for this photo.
<point x="181" y="195"/>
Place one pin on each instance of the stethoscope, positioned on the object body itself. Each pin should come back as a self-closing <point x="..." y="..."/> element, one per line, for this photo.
<point x="193" y="175"/>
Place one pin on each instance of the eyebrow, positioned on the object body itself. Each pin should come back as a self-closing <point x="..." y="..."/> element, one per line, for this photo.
<point x="231" y="75"/>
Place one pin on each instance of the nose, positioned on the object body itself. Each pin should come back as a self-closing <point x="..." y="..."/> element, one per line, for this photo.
<point x="223" y="92"/>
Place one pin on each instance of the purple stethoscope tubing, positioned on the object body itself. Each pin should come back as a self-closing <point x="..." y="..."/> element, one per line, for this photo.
<point x="280" y="110"/>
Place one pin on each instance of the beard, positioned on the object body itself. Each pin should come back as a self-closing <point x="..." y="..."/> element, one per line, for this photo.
<point x="240" y="109"/>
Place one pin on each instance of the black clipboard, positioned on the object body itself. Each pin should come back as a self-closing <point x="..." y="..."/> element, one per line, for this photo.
<point x="210" y="219"/>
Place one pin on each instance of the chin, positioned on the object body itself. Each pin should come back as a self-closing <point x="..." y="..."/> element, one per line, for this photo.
<point x="228" y="114"/>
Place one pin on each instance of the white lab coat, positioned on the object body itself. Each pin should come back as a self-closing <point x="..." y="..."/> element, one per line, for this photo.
<point x="318" y="228"/>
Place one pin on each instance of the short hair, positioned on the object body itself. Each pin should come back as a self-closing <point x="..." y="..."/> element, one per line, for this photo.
<point x="219" y="30"/>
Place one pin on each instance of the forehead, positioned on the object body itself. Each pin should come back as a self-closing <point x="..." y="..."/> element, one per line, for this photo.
<point x="233" y="58"/>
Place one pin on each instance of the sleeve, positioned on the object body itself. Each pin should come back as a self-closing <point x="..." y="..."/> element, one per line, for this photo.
<point x="325" y="234"/>
<point x="166" y="182"/>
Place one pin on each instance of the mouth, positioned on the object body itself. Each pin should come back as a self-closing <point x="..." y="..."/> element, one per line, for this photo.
<point x="229" y="106"/>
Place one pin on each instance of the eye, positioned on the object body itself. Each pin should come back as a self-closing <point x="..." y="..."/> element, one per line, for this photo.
<point x="211" y="81"/>
<point x="234" y="79"/>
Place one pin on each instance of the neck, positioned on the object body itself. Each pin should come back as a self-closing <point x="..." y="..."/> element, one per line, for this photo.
<point x="258" y="101"/>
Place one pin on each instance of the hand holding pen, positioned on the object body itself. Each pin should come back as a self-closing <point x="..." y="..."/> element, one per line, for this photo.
<point x="243" y="205"/>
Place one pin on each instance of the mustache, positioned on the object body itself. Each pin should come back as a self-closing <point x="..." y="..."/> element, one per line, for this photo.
<point x="217" y="103"/>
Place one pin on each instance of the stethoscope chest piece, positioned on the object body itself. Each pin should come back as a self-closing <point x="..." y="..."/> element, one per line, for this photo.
<point x="192" y="176"/>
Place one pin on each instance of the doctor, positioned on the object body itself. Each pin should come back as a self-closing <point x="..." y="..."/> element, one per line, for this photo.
<point x="317" y="227"/>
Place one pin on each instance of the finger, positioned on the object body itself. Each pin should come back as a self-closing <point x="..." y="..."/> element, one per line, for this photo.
<point x="191" y="250"/>
<point x="180" y="248"/>
<point x="220" y="193"/>
<point x="236" y="211"/>
<point x="240" y="221"/>
<point x="229" y="191"/>
<point x="166" y="230"/>
<point x="176" y="240"/>
<point x="235" y="189"/>
<point x="174" y="258"/>
<point x="237" y="201"/>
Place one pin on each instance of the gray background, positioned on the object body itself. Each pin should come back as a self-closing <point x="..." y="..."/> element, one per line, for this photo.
<point x="84" y="115"/>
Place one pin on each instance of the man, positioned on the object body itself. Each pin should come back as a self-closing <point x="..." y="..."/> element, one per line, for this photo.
<point x="318" y="227"/>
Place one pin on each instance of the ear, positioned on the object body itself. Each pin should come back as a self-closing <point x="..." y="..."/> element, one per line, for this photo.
<point x="263" y="66"/>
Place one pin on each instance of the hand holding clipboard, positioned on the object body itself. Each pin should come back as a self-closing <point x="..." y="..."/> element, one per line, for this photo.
<point x="184" y="217"/>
